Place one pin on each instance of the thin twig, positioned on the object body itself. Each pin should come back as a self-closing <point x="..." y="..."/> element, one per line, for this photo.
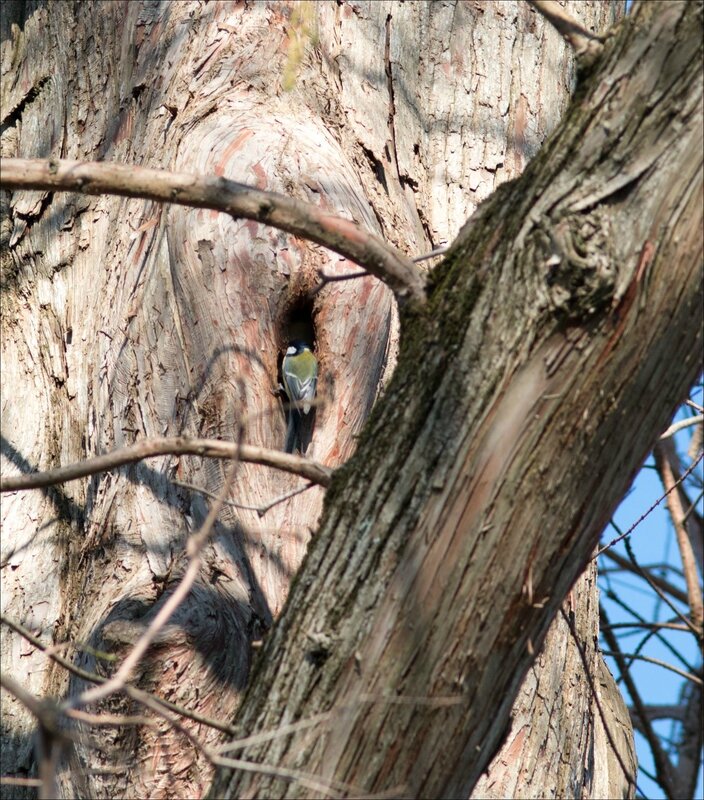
<point x="160" y="707"/>
<point x="439" y="701"/>
<point x="656" y="626"/>
<point x="432" y="254"/>
<point x="350" y="276"/>
<point x="579" y="38"/>
<point x="283" y="730"/>
<point x="661" y="583"/>
<point x="325" y="279"/>
<point x="11" y="780"/>
<point x="331" y="788"/>
<point x="148" y="699"/>
<point x="659" y="592"/>
<point x="313" y="782"/>
<point x="689" y="469"/>
<point x="261" y="510"/>
<point x="653" y="632"/>
<point x="400" y="792"/>
<point x="671" y="711"/>
<point x="156" y="704"/>
<point x="107" y="720"/>
<point x="693" y="507"/>
<point x="158" y="446"/>
<point x="240" y="201"/>
<point x="638" y="657"/>
<point x="363" y="699"/>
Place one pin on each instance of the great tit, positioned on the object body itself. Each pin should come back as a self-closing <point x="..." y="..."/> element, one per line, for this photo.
<point x="299" y="371"/>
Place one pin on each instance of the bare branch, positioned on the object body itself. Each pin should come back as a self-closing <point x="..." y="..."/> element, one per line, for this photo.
<point x="689" y="565"/>
<point x="328" y="716"/>
<point x="691" y="519"/>
<point x="689" y="469"/>
<point x="282" y="730"/>
<point x="692" y="510"/>
<point x="349" y="276"/>
<point x="160" y="706"/>
<point x="695" y="443"/>
<point x="239" y="200"/>
<point x="261" y="510"/>
<point x="159" y="446"/>
<point x="139" y="695"/>
<point x="439" y="251"/>
<point x="681" y="425"/>
<point x="581" y="40"/>
<point x="661" y="583"/>
<point x="652" y="626"/>
<point x="687" y="621"/>
<point x="652" y="630"/>
<point x="316" y="783"/>
<point x="637" y="657"/>
<point x="325" y="279"/>
<point x="107" y="720"/>
<point x="689" y="747"/>
<point x="662" y="711"/>
<point x="193" y="549"/>
<point x="11" y="780"/>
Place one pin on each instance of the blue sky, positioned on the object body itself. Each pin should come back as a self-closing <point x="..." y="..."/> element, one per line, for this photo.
<point x="653" y="543"/>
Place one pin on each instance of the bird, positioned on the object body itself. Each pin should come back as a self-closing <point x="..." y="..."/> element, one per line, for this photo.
<point x="299" y="371"/>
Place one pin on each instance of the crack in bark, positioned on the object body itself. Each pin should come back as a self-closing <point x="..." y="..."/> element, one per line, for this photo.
<point x="392" y="101"/>
<point x="14" y="115"/>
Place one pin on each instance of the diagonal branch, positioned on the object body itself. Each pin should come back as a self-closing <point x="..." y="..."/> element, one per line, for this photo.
<point x="690" y="519"/>
<point x="640" y="519"/>
<point x="159" y="446"/>
<point x="689" y="564"/>
<point x="657" y="580"/>
<point x="261" y="509"/>
<point x="579" y="38"/>
<point x="195" y="545"/>
<point x="239" y="200"/>
<point x="129" y="689"/>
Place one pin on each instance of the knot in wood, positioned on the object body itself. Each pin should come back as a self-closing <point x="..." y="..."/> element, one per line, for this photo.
<point x="578" y="263"/>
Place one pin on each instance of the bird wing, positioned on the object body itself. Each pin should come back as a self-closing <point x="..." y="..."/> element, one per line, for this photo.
<point x="300" y="392"/>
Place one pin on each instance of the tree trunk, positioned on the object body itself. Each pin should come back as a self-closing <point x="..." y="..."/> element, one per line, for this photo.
<point x="451" y="540"/>
<point x="483" y="479"/>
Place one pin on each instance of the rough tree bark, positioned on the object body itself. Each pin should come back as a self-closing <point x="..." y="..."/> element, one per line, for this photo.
<point x="484" y="478"/>
<point x="123" y="319"/>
